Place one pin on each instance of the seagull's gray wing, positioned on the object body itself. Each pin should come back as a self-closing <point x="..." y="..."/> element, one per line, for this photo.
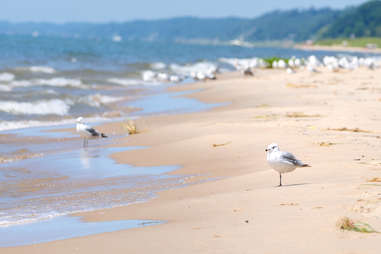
<point x="93" y="132"/>
<point x="289" y="157"/>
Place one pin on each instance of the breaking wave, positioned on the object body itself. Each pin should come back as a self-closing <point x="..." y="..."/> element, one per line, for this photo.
<point x="43" y="107"/>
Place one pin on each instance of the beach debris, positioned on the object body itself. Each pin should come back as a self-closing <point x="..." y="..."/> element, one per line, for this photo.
<point x="300" y="115"/>
<point x="291" y="85"/>
<point x="374" y="180"/>
<point x="359" y="159"/>
<point x="266" y="117"/>
<point x="289" y="204"/>
<point x="326" y="144"/>
<point x="348" y="224"/>
<point x="223" y="144"/>
<point x="131" y="128"/>
<point x="348" y="129"/>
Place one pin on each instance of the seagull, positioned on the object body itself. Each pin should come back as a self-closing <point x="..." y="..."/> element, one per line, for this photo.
<point x="282" y="162"/>
<point x="87" y="132"/>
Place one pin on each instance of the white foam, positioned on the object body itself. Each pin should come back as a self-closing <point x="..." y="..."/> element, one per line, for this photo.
<point x="6" y="77"/>
<point x="158" y="66"/>
<point x="55" y="106"/>
<point x="243" y="63"/>
<point x="15" y="221"/>
<point x="5" y="88"/>
<point x="125" y="82"/>
<point x="13" y="125"/>
<point x="133" y="82"/>
<point x="149" y="76"/>
<point x="21" y="83"/>
<point x="56" y="82"/>
<point x="60" y="82"/>
<point x="98" y="100"/>
<point x="117" y="38"/>
<point x="186" y="70"/>
<point x="42" y="69"/>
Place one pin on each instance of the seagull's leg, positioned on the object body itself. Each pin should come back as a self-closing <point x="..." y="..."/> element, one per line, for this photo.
<point x="280" y="179"/>
<point x="84" y="142"/>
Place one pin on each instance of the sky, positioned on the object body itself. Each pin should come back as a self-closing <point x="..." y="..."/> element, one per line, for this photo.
<point x="100" y="11"/>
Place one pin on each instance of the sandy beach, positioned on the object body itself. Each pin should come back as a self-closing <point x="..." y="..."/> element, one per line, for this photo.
<point x="231" y="204"/>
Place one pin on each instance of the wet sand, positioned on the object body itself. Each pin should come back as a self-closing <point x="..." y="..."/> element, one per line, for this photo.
<point x="329" y="120"/>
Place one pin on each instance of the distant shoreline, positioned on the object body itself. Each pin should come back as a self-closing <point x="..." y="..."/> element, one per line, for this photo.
<point x="336" y="48"/>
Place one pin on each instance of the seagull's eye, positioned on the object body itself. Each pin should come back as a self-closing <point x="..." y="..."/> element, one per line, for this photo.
<point x="273" y="147"/>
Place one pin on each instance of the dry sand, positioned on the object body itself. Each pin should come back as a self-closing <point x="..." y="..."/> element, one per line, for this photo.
<point x="329" y="120"/>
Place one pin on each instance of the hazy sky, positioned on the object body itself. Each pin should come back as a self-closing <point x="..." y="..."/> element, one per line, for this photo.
<point x="125" y="10"/>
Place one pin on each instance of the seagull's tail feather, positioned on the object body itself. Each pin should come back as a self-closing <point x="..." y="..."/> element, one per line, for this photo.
<point x="103" y="135"/>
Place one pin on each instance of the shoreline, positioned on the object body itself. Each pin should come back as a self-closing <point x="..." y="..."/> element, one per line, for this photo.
<point x="337" y="48"/>
<point x="242" y="210"/>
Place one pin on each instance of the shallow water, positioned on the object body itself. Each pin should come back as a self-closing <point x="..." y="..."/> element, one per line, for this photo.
<point x="44" y="131"/>
<point x="165" y="102"/>
<point x="60" y="228"/>
<point x="75" y="179"/>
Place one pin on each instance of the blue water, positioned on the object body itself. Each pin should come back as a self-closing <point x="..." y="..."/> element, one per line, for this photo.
<point x="89" y="77"/>
<point x="87" y="163"/>
<point x="103" y="54"/>
<point x="163" y="102"/>
<point x="44" y="131"/>
<point x="74" y="180"/>
<point x="60" y="228"/>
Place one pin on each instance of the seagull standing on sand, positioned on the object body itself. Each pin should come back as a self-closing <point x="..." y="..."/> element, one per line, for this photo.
<point x="282" y="162"/>
<point x="87" y="132"/>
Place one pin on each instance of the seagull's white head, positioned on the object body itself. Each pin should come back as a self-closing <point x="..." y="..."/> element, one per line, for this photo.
<point x="272" y="147"/>
<point x="79" y="119"/>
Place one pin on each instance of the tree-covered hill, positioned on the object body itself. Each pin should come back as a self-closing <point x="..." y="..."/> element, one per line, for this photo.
<point x="361" y="21"/>
<point x="295" y="25"/>
<point x="278" y="25"/>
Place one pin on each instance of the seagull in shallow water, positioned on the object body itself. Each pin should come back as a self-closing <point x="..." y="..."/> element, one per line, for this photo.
<point x="282" y="162"/>
<point x="87" y="132"/>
